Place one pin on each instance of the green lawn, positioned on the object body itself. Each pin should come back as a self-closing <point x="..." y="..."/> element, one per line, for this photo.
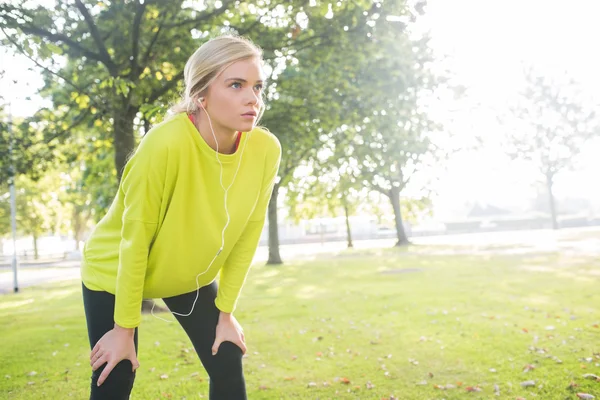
<point x="357" y="325"/>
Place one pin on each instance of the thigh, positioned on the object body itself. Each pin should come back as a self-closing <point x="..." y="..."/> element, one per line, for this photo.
<point x="99" y="313"/>
<point x="200" y="327"/>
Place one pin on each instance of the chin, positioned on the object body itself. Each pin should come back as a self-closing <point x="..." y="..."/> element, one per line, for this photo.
<point x="246" y="127"/>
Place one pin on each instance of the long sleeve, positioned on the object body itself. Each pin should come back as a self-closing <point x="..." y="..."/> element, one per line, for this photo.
<point x="237" y="265"/>
<point x="142" y="188"/>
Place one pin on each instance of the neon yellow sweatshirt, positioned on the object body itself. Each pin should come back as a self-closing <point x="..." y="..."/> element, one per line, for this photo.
<point x="164" y="225"/>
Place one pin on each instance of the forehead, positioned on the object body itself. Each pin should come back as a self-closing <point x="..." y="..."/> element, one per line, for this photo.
<point x="249" y="69"/>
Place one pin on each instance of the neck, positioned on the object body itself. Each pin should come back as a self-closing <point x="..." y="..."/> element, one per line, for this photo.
<point x="225" y="137"/>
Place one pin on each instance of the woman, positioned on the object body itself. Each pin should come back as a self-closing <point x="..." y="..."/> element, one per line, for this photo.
<point x="191" y="203"/>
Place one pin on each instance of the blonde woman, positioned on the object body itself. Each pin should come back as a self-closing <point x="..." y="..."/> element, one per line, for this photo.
<point x="191" y="204"/>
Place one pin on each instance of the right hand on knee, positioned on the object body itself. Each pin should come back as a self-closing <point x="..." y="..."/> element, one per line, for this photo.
<point x="116" y="345"/>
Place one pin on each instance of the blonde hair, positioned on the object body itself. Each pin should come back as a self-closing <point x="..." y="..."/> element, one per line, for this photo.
<point x="203" y="67"/>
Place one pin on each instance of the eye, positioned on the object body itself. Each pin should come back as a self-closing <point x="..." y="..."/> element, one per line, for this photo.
<point x="259" y="87"/>
<point x="233" y="85"/>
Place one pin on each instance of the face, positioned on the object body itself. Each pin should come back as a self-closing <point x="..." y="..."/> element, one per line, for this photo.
<point x="233" y="100"/>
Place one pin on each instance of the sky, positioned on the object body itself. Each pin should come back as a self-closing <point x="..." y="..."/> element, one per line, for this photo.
<point x="484" y="44"/>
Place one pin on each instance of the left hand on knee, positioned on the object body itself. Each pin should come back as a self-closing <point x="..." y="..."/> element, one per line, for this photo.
<point x="229" y="330"/>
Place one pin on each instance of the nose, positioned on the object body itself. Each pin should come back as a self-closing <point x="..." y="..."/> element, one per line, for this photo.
<point x="253" y="99"/>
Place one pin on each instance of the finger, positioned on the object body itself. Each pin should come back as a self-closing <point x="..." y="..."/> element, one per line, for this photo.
<point x="243" y="347"/>
<point x="96" y="347"/>
<point x="215" y="347"/>
<point x="99" y="362"/>
<point x="95" y="357"/>
<point x="135" y="364"/>
<point x="243" y="338"/>
<point x="107" y="370"/>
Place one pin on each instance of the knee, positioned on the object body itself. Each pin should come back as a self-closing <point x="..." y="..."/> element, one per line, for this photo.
<point x="227" y="363"/>
<point x="117" y="385"/>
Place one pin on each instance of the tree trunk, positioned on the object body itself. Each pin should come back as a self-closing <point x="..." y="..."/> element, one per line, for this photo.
<point x="274" y="256"/>
<point x="123" y="136"/>
<point x="549" y="184"/>
<point x="36" y="255"/>
<point x="394" y="195"/>
<point x="348" y="230"/>
<point x="77" y="227"/>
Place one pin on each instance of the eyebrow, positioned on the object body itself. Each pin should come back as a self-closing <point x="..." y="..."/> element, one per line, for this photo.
<point x="242" y="80"/>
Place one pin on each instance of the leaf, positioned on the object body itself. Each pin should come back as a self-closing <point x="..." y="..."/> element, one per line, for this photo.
<point x="585" y="396"/>
<point x="528" y="383"/>
<point x="592" y="376"/>
<point x="528" y="368"/>
<point x="473" y="389"/>
<point x="164" y="376"/>
<point x="345" y="381"/>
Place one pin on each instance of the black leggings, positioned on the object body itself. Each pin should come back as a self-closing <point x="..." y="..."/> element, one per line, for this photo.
<point x="224" y="369"/>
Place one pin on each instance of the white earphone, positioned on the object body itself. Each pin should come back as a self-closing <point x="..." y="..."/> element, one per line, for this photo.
<point x="226" y="190"/>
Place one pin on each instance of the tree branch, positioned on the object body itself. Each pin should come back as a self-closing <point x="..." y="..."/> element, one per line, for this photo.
<point x="105" y="57"/>
<point x="70" y="83"/>
<point x="153" y="41"/>
<point x="164" y="89"/>
<point x="76" y="122"/>
<point x="135" y="39"/>
<point x="203" y="16"/>
<point x="60" y="38"/>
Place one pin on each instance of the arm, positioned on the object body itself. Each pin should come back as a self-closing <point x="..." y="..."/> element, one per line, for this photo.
<point x="237" y="265"/>
<point x="141" y="187"/>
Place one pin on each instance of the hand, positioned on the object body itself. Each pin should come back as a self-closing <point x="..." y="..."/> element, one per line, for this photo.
<point x="116" y="345"/>
<point x="229" y="330"/>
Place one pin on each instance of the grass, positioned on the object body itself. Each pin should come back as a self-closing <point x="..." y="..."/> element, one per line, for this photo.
<point x="400" y="321"/>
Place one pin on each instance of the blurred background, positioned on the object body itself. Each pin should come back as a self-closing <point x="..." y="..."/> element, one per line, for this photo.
<point x="398" y="119"/>
<point x="435" y="225"/>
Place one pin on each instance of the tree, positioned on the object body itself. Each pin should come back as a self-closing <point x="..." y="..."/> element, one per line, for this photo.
<point x="38" y="208"/>
<point x="325" y="193"/>
<point x="317" y="92"/>
<point x="394" y="142"/>
<point x="551" y="124"/>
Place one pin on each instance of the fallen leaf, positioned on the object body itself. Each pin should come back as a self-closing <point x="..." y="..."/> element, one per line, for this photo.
<point x="528" y="368"/>
<point x="525" y="330"/>
<point x="496" y="390"/>
<point x="370" y="385"/>
<point x="311" y="384"/>
<point x="473" y="389"/>
<point x="289" y="378"/>
<point x="528" y="383"/>
<point x="32" y="373"/>
<point x="263" y="387"/>
<point x="164" y="376"/>
<point x="585" y="396"/>
<point x="591" y="376"/>
<point x="345" y="381"/>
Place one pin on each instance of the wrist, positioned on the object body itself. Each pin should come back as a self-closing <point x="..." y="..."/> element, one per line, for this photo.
<point x="120" y="329"/>
<point x="223" y="316"/>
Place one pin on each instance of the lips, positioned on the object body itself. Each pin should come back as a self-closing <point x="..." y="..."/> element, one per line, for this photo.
<point x="250" y="113"/>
